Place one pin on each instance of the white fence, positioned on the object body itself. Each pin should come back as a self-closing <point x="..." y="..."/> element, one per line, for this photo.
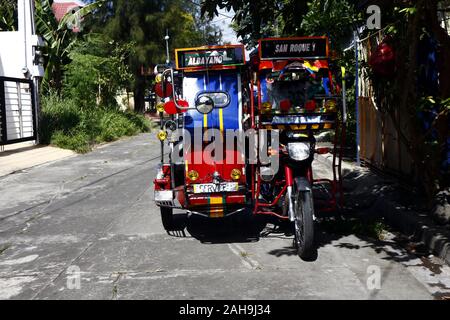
<point x="17" y="111"/>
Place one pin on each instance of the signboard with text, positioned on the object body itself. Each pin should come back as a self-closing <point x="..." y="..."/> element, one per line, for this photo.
<point x="294" y="48"/>
<point x="210" y="57"/>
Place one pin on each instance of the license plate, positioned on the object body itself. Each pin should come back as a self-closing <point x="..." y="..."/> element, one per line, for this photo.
<point x="213" y="188"/>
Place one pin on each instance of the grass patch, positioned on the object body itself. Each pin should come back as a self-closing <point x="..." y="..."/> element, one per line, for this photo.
<point x="65" y="125"/>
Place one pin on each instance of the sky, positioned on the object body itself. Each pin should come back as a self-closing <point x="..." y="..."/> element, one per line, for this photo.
<point x="223" y="21"/>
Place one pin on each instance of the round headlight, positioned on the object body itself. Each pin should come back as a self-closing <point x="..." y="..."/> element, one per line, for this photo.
<point x="162" y="135"/>
<point x="267" y="174"/>
<point x="236" y="174"/>
<point x="266" y="107"/>
<point x="299" y="151"/>
<point x="330" y="106"/>
<point x="158" y="78"/>
<point x="193" y="175"/>
<point x="160" y="107"/>
<point x="204" y="104"/>
<point x="204" y="108"/>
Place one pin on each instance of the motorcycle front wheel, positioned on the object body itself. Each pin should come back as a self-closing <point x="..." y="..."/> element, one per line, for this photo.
<point x="304" y="221"/>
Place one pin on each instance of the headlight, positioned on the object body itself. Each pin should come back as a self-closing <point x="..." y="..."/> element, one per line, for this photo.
<point x="193" y="175"/>
<point x="330" y="106"/>
<point x="160" y="107"/>
<point x="204" y="108"/>
<point x="267" y="174"/>
<point x="204" y="104"/>
<point x="159" y="78"/>
<point x="235" y="174"/>
<point x="296" y="135"/>
<point x="266" y="107"/>
<point x="162" y="135"/>
<point x="299" y="151"/>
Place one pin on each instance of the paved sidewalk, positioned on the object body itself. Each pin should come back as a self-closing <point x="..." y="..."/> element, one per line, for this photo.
<point x="21" y="156"/>
<point x="379" y="196"/>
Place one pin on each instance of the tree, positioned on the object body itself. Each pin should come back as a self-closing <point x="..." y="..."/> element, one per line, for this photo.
<point x="97" y="72"/>
<point x="145" y="23"/>
<point x="257" y="19"/>
<point x="59" y="39"/>
<point x="253" y="19"/>
<point x="414" y="27"/>
<point x="410" y="24"/>
<point x="335" y="19"/>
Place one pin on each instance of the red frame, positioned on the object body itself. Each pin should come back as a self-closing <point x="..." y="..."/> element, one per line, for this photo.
<point x="336" y="183"/>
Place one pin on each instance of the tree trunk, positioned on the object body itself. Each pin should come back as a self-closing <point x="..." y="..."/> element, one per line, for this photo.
<point x="139" y="94"/>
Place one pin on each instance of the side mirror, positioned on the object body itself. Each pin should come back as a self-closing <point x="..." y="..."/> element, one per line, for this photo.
<point x="204" y="104"/>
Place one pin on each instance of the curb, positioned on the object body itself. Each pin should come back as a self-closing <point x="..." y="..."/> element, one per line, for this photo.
<point x="422" y="228"/>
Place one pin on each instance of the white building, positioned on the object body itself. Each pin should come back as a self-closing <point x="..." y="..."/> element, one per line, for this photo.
<point x="19" y="78"/>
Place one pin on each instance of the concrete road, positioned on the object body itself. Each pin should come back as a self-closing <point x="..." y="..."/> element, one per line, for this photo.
<point x="87" y="228"/>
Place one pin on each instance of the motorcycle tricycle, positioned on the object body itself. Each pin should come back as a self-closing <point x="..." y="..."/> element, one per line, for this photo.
<point x="203" y="100"/>
<point x="294" y="96"/>
<point x="273" y="107"/>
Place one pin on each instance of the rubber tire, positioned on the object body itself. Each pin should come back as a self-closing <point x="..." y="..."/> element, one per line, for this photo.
<point x="303" y="201"/>
<point x="167" y="218"/>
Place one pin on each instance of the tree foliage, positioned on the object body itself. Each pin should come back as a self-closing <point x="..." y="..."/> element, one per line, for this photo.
<point x="257" y="19"/>
<point x="98" y="66"/>
<point x="8" y="15"/>
<point x="59" y="40"/>
<point x="409" y="23"/>
<point x="145" y="24"/>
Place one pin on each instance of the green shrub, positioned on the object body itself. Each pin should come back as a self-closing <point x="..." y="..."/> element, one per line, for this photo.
<point x="56" y="115"/>
<point x="77" y="141"/>
<point x="64" y="124"/>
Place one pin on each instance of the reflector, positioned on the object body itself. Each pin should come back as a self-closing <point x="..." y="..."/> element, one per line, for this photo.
<point x="159" y="90"/>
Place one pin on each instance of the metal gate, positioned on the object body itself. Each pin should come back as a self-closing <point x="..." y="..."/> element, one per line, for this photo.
<point x="18" y="116"/>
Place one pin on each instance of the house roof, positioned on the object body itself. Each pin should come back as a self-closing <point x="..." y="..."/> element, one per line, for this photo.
<point x="61" y="7"/>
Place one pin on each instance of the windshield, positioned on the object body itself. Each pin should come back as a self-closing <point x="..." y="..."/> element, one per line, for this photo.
<point x="293" y="91"/>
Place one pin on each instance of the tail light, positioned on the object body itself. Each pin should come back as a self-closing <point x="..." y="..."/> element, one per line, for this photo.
<point x="163" y="90"/>
<point x="285" y="105"/>
<point x="323" y="150"/>
<point x="311" y="105"/>
<point x="171" y="108"/>
<point x="162" y="180"/>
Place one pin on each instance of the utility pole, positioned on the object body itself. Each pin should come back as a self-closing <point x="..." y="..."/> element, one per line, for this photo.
<point x="167" y="46"/>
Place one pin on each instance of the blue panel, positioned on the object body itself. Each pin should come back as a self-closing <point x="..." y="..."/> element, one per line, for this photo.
<point x="195" y="84"/>
<point x="264" y="96"/>
<point x="213" y="84"/>
<point x="231" y="112"/>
